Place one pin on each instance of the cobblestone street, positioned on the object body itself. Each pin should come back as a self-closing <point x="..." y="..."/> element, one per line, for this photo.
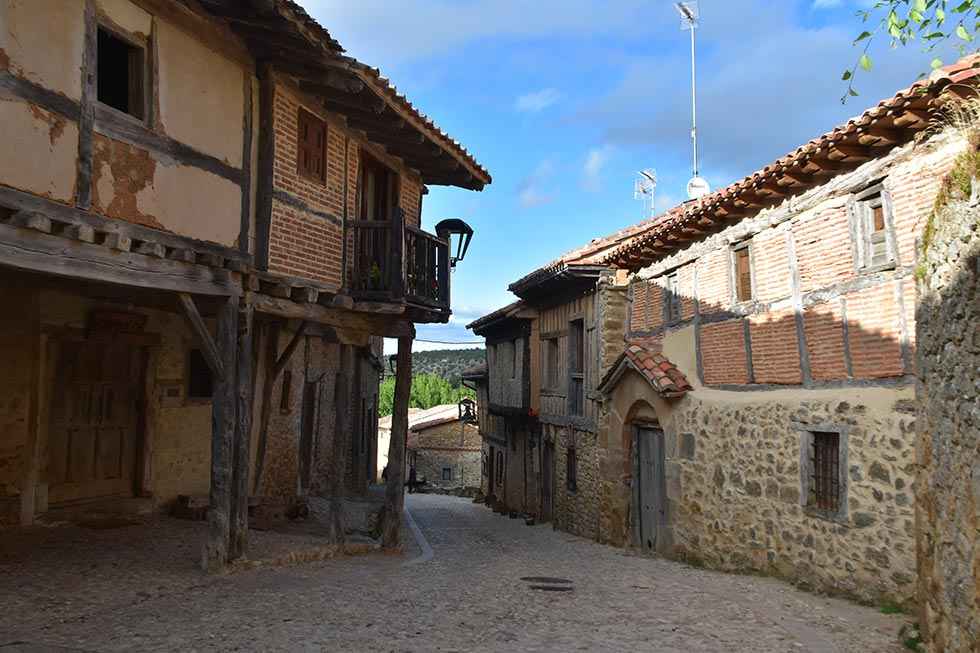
<point x="489" y="583"/>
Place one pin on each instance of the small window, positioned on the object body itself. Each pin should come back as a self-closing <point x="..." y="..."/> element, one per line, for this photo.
<point x="311" y="150"/>
<point x="673" y="299"/>
<point x="200" y="383"/>
<point x="571" y="469"/>
<point x="121" y="74"/>
<point x="550" y="352"/>
<point x="825" y="487"/>
<point x="874" y="221"/>
<point x="743" y="273"/>
<point x="286" y="400"/>
<point x="576" y="376"/>
<point x="447" y="473"/>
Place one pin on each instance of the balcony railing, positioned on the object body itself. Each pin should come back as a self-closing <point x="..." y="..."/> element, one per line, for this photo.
<point x="393" y="261"/>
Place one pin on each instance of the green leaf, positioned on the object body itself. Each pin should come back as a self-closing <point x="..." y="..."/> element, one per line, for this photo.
<point x="936" y="63"/>
<point x="865" y="62"/>
<point x="852" y="92"/>
<point x="964" y="7"/>
<point x="862" y="36"/>
<point x="940" y="16"/>
<point x="846" y="76"/>
<point x="915" y="17"/>
<point x="962" y="33"/>
<point x="919" y="6"/>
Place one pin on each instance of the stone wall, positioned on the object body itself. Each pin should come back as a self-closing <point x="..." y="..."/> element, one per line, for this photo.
<point x="454" y="445"/>
<point x="576" y="510"/>
<point x="949" y="429"/>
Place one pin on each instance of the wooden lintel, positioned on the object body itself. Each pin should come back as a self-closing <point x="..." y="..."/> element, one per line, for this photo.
<point x="373" y="324"/>
<point x="208" y="345"/>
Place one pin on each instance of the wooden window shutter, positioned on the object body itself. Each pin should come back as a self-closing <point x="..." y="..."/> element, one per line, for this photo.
<point x="311" y="147"/>
<point x="743" y="275"/>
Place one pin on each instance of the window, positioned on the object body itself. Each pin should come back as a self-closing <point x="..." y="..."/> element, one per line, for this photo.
<point x="447" y="473"/>
<point x="311" y="147"/>
<point x="875" y="248"/>
<point x="576" y="376"/>
<point x="121" y="74"/>
<point x="200" y="383"/>
<point x="550" y="363"/>
<point x="672" y="305"/>
<point x="285" y="401"/>
<point x="514" y="358"/>
<point x="378" y="189"/>
<point x="571" y="469"/>
<point x="823" y="472"/>
<point x="500" y="468"/>
<point x="743" y="272"/>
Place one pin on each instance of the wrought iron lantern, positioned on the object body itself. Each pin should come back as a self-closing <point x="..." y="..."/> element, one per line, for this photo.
<point x="464" y="234"/>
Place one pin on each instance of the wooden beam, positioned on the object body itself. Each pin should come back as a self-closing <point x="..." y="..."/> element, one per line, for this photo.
<point x="340" y="450"/>
<point x="395" y="487"/>
<point x="378" y="325"/>
<point x="35" y="251"/>
<point x="275" y="365"/>
<point x="223" y="419"/>
<point x="208" y="345"/>
<point x="241" y="453"/>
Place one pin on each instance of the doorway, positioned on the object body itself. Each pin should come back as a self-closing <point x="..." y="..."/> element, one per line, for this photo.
<point x="649" y="488"/>
<point x="547" y="480"/>
<point x="94" y="420"/>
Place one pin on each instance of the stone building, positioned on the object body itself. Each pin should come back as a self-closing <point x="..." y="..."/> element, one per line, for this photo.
<point x="948" y="425"/>
<point x="444" y="449"/>
<point x="755" y="390"/>
<point x="209" y="216"/>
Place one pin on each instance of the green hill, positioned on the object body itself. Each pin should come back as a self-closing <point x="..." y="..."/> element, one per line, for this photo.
<point x="448" y="364"/>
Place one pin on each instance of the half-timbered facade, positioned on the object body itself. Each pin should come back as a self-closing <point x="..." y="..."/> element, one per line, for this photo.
<point x="209" y="216"/>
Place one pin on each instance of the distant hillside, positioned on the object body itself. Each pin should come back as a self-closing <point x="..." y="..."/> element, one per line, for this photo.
<point x="446" y="363"/>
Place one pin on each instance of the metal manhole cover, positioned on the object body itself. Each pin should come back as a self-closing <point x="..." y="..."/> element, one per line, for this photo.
<point x="552" y="588"/>
<point x="545" y="579"/>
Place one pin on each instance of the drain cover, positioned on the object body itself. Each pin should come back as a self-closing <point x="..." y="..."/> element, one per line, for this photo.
<point x="552" y="588"/>
<point x="545" y="579"/>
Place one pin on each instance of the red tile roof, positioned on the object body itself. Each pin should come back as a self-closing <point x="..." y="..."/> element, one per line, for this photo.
<point x="660" y="373"/>
<point x="913" y="107"/>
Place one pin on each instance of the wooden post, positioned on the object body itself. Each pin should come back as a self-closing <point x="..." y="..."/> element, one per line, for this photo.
<point x="149" y="420"/>
<point x="395" y="490"/>
<point x="223" y="420"/>
<point x="243" y="431"/>
<point x="340" y="450"/>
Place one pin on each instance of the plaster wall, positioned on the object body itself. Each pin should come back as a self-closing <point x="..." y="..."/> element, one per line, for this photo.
<point x="40" y="148"/>
<point x="31" y="49"/>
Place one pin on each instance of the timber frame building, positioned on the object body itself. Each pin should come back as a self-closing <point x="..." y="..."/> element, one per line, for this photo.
<point x="209" y="217"/>
<point x="749" y="375"/>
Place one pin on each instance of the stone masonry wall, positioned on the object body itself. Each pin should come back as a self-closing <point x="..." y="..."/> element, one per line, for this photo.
<point x="576" y="511"/>
<point x="948" y="485"/>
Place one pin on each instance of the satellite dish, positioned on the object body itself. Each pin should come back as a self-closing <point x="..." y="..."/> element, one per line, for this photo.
<point x="697" y="188"/>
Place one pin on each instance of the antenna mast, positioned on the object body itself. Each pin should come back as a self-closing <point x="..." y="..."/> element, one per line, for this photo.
<point x="690" y="14"/>
<point x="645" y="189"/>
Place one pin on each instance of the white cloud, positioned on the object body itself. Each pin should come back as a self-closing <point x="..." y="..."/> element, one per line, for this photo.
<point x="537" y="101"/>
<point x="531" y="191"/>
<point x="595" y="161"/>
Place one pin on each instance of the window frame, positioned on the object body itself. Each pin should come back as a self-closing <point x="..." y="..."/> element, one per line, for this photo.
<point x="141" y="88"/>
<point x="550" y="357"/>
<point x="861" y="208"/>
<point x="808" y="435"/>
<point x="737" y="249"/>
<point x="305" y="117"/>
<point x="672" y="298"/>
<point x="577" y="354"/>
<point x="443" y="473"/>
<point x="392" y="192"/>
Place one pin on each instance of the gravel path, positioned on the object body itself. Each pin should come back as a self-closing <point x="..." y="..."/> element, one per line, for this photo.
<point x="491" y="584"/>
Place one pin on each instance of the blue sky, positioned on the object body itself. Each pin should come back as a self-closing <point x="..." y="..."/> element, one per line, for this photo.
<point x="563" y="101"/>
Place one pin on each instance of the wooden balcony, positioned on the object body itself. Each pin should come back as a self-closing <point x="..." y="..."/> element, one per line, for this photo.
<point x="398" y="263"/>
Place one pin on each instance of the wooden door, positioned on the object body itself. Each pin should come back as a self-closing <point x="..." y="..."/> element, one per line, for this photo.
<point x="92" y="433"/>
<point x="308" y="430"/>
<point x="547" y="480"/>
<point x="650" y="487"/>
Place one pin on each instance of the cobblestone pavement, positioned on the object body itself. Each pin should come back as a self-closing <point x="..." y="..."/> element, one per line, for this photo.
<point x="470" y="596"/>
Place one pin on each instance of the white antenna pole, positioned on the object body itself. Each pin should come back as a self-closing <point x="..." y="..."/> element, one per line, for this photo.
<point x="694" y="100"/>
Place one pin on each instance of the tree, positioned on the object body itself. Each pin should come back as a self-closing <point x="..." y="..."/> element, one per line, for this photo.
<point x="933" y="22"/>
<point x="428" y="390"/>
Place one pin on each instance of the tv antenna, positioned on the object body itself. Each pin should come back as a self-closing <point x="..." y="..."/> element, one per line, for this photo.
<point x="690" y="15"/>
<point x="645" y="189"/>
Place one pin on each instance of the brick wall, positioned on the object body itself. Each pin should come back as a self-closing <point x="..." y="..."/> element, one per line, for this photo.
<point x="858" y="324"/>
<point x="306" y="234"/>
